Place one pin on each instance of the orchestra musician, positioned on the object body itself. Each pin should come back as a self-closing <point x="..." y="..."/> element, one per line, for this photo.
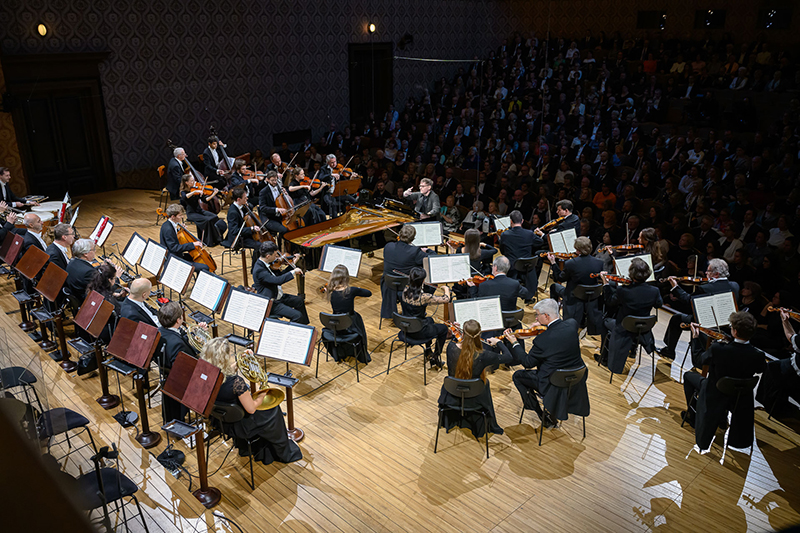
<point x="63" y="239"/>
<point x="270" y="214"/>
<point x="80" y="270"/>
<point x="304" y="194"/>
<point x="636" y="299"/>
<point x="9" y="224"/>
<point x="556" y="348"/>
<point x="738" y="359"/>
<point x="104" y="281"/>
<point x="564" y="209"/>
<point x="469" y="359"/>
<point x="508" y="289"/>
<point x="330" y="175"/>
<point x="236" y="223"/>
<point x="519" y="243"/>
<point x="426" y="202"/>
<point x="781" y="378"/>
<point x="342" y="298"/>
<point x="400" y="256"/>
<point x="212" y="156"/>
<point x="174" y="341"/>
<point x="576" y="271"/>
<point x="236" y="179"/>
<point x="268" y="283"/>
<point x="276" y="164"/>
<point x="266" y="427"/>
<point x="168" y="237"/>
<point x="717" y="274"/>
<point x="480" y="256"/>
<point x="6" y="194"/>
<point x="210" y="227"/>
<point x="33" y="235"/>
<point x="414" y="303"/>
<point x="175" y="171"/>
<point x="135" y="306"/>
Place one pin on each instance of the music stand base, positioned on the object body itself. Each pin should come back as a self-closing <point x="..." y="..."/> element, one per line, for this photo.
<point x="126" y="419"/>
<point x="27" y="327"/>
<point x="56" y="356"/>
<point x="171" y="458"/>
<point x="296" y="434"/>
<point x="149" y="439"/>
<point x="108" y="402"/>
<point x="48" y="345"/>
<point x="209" y="497"/>
<point x="69" y="365"/>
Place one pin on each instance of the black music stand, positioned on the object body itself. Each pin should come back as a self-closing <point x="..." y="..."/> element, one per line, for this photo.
<point x="27" y="267"/>
<point x="195" y="383"/>
<point x="132" y="347"/>
<point x="93" y="317"/>
<point x="49" y="287"/>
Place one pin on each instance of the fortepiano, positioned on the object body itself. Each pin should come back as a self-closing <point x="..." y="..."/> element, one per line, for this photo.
<point x="356" y="222"/>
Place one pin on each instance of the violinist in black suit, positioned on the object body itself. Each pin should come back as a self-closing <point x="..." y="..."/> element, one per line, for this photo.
<point x="135" y="306"/>
<point x="400" y="256"/>
<point x="168" y="236"/>
<point x="175" y="171"/>
<point x="635" y="299"/>
<point x="271" y="215"/>
<point x="328" y="174"/>
<point x="737" y="359"/>
<point x="173" y="341"/>
<point x="577" y="271"/>
<point x="508" y="289"/>
<point x="519" y="243"/>
<point x="237" y="230"/>
<point x="212" y="156"/>
<point x="6" y="194"/>
<point x="781" y="378"/>
<point x="268" y="283"/>
<point x="58" y="250"/>
<point x="80" y="271"/>
<point x="717" y="273"/>
<point x="556" y="348"/>
<point x="564" y="210"/>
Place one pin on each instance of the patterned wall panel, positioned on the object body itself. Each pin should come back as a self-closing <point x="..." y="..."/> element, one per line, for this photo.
<point x="9" y="149"/>
<point x="256" y="67"/>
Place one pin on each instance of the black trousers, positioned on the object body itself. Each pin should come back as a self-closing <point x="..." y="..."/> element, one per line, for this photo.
<point x="691" y="385"/>
<point x="526" y="382"/>
<point x="291" y="307"/>
<point x="673" y="333"/>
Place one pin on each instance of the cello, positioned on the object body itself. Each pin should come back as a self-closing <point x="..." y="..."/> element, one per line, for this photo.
<point x="198" y="254"/>
<point x="251" y="220"/>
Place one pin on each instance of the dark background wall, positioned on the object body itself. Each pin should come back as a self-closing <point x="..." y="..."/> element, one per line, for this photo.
<point x="255" y="67"/>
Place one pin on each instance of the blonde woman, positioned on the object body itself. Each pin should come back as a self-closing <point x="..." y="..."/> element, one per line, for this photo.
<point x="274" y="443"/>
<point x="342" y="298"/>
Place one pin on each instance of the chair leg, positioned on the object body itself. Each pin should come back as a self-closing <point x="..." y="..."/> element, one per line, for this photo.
<point x="685" y="355"/>
<point x="380" y="322"/>
<point x="391" y="349"/>
<point x="584" y="427"/>
<point x="250" y="457"/>
<point x="438" y="426"/>
<point x="522" y="414"/>
<point x="424" y="371"/>
<point x="653" y="358"/>
<point x="611" y="377"/>
<point x="541" y="430"/>
<point x="141" y="514"/>
<point x="358" y="346"/>
<point x="316" y="373"/>
<point x="486" y="434"/>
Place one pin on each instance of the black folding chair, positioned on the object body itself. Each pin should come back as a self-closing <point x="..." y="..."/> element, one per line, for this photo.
<point x="407" y="325"/>
<point x="335" y="331"/>
<point x="395" y="283"/>
<point x="464" y="389"/>
<point x="639" y="325"/>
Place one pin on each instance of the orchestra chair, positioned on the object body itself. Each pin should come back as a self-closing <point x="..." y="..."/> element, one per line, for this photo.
<point x="225" y="415"/>
<point x="464" y="389"/>
<point x="683" y="361"/>
<point x="18" y="376"/>
<point x="230" y="252"/>
<point x="394" y="283"/>
<point x="334" y="330"/>
<point x="407" y="325"/>
<point x="512" y="319"/>
<point x="523" y="266"/>
<point x="567" y="379"/>
<point x="639" y="325"/>
<point x="163" y="200"/>
<point x="586" y="294"/>
<point x="60" y="421"/>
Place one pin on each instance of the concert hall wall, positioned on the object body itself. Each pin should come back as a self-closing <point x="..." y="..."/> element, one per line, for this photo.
<point x="256" y="67"/>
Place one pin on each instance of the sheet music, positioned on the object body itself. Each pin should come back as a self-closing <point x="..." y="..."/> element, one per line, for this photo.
<point x="428" y="234"/>
<point x="246" y="310"/>
<point x="624" y="263"/>
<point x="501" y="223"/>
<point x="563" y="242"/>
<point x="106" y="231"/>
<point x="176" y="273"/>
<point x="486" y="311"/>
<point x="134" y="250"/>
<point x="447" y="268"/>
<point x="285" y="341"/>
<point x="339" y="255"/>
<point x="723" y="304"/>
<point x="153" y="257"/>
<point x="208" y="290"/>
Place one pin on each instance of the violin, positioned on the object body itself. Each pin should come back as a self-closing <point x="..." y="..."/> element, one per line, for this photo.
<point x="625" y="248"/>
<point x="211" y="205"/>
<point x="794" y="315"/>
<point x="284" y="259"/>
<point x="610" y="277"/>
<point x="530" y="331"/>
<point x="477" y="279"/>
<point x="686" y="280"/>
<point x="552" y="224"/>
<point x="498" y="232"/>
<point x="344" y="172"/>
<point x="711" y="333"/>
<point x="564" y="257"/>
<point x="248" y="174"/>
<point x="455" y="330"/>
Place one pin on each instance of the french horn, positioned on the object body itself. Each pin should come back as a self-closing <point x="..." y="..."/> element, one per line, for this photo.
<point x="250" y="367"/>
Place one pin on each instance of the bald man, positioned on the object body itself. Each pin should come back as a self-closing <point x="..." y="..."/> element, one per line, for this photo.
<point x="33" y="235"/>
<point x="134" y="306"/>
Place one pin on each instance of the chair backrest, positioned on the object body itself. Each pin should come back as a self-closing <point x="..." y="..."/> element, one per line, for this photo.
<point x="512" y="318"/>
<point x="566" y="377"/>
<point x="408" y="324"/>
<point x="162" y="170"/>
<point x="336" y="322"/>
<point x="639" y="324"/>
<point x="227" y="413"/>
<point x="587" y="293"/>
<point x="526" y="264"/>
<point x="395" y="282"/>
<point x="464" y="388"/>
<point x="735" y="386"/>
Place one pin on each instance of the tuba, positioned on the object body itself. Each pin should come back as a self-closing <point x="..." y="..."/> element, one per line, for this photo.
<point x="251" y="369"/>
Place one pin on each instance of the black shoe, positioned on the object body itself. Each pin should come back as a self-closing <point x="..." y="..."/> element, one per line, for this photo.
<point x="602" y="360"/>
<point x="549" y="422"/>
<point x="666" y="354"/>
<point x="689" y="419"/>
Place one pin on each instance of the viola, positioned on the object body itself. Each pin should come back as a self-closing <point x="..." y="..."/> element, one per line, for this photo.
<point x="711" y="333"/>
<point x="477" y="279"/>
<point x="552" y="224"/>
<point x="284" y="259"/>
<point x="206" y="190"/>
<point x="794" y="315"/>
<point x="686" y="280"/>
<point x="610" y="277"/>
<point x="248" y="174"/>
<point x="530" y="332"/>
<point x="625" y="248"/>
<point x="455" y="330"/>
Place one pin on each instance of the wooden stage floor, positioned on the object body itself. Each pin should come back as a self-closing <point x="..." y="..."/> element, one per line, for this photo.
<point x="368" y="461"/>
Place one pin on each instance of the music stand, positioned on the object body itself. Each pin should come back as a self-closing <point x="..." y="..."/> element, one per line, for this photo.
<point x="133" y="345"/>
<point x="50" y="286"/>
<point x="93" y="317"/>
<point x="195" y="383"/>
<point x="29" y="266"/>
<point x="345" y="187"/>
<point x="11" y="247"/>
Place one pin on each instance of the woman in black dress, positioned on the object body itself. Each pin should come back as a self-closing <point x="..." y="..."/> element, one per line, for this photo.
<point x="480" y="257"/>
<point x="414" y="302"/>
<point x="104" y="281"/>
<point x="210" y="227"/>
<point x="342" y="297"/>
<point x="274" y="443"/>
<point x="304" y="194"/>
<point x="469" y="360"/>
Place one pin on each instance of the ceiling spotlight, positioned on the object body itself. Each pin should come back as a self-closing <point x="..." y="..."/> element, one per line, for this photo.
<point x="42" y="29"/>
<point x="372" y="28"/>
